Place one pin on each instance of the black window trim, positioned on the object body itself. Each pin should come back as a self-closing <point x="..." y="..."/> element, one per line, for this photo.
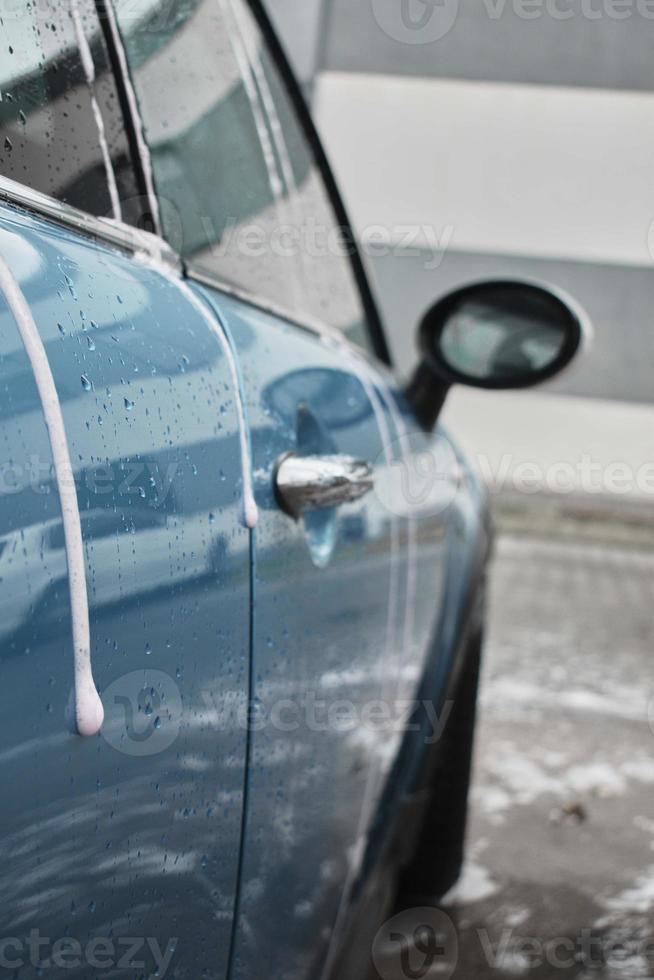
<point x="139" y="150"/>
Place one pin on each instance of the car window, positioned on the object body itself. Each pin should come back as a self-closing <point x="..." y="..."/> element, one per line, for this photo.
<point x="61" y="126"/>
<point x="241" y="195"/>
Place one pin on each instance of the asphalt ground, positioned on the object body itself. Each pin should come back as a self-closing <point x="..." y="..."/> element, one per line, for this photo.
<point x="559" y="881"/>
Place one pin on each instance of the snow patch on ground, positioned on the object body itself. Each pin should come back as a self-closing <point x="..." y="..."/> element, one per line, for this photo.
<point x="474" y="885"/>
<point x="642" y="770"/>
<point x="518" y="778"/>
<point x="600" y="778"/>
<point x="639" y="898"/>
<point x="631" y="705"/>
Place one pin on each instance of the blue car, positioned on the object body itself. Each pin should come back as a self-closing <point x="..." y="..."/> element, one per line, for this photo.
<point x="241" y="565"/>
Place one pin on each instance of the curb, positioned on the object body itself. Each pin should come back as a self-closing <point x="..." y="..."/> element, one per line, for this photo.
<point x="602" y="520"/>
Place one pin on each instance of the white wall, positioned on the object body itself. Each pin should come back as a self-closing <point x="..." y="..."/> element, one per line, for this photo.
<point x="511" y="144"/>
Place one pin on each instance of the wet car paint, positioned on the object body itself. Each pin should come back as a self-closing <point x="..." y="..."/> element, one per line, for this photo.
<point x="133" y="833"/>
<point x="137" y="833"/>
<point x="336" y="633"/>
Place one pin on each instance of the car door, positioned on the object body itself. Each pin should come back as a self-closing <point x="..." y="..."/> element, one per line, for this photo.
<point x="119" y="850"/>
<point x="340" y="630"/>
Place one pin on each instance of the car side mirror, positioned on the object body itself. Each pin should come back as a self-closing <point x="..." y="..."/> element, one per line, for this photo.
<point x="491" y="335"/>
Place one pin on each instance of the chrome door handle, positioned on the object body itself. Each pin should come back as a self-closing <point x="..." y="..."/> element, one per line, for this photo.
<point x="310" y="482"/>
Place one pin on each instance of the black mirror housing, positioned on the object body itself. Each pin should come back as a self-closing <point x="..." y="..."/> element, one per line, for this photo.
<point x="497" y="335"/>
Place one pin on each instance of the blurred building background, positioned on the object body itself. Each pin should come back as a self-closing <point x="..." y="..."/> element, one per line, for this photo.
<point x="484" y="138"/>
